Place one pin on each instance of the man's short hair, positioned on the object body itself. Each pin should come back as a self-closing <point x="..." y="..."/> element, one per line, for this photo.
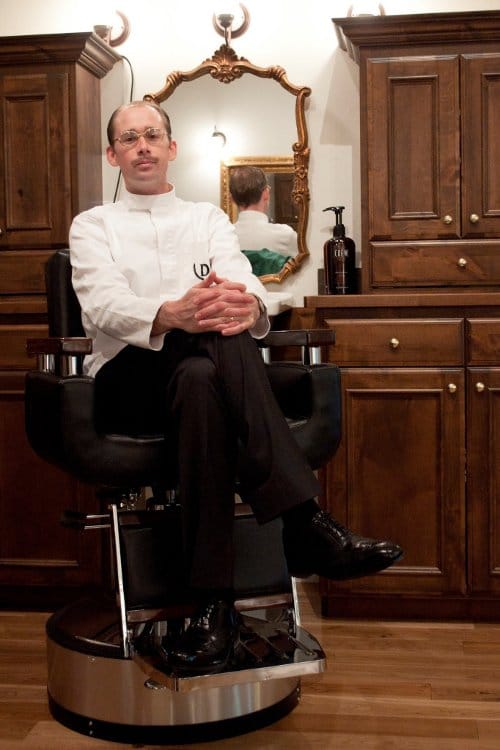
<point x="246" y="185"/>
<point x="140" y="103"/>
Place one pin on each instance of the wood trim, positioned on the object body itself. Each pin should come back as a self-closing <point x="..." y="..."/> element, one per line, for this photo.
<point x="452" y="299"/>
<point x="409" y="30"/>
<point x="85" y="48"/>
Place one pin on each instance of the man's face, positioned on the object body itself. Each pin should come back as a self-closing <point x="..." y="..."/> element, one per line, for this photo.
<point x="143" y="165"/>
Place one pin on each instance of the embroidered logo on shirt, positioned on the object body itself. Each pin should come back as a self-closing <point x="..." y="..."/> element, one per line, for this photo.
<point x="201" y="270"/>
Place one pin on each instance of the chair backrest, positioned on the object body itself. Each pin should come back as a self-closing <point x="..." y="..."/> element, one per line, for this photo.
<point x="64" y="313"/>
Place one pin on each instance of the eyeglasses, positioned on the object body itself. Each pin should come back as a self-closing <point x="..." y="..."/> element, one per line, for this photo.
<point x="130" y="137"/>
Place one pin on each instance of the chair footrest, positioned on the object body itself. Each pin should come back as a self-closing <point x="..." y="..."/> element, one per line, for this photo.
<point x="265" y="651"/>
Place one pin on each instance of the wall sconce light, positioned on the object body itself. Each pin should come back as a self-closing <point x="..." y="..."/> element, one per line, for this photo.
<point x="105" y="31"/>
<point x="219" y="139"/>
<point x="366" y="8"/>
<point x="223" y="22"/>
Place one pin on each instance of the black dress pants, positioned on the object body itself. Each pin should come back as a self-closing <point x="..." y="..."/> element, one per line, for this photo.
<point x="211" y="395"/>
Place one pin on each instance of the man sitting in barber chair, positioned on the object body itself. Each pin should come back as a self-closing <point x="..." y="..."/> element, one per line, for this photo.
<point x="171" y="306"/>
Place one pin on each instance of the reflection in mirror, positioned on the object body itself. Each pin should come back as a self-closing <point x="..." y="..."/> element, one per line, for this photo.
<point x="261" y="113"/>
<point x="282" y="208"/>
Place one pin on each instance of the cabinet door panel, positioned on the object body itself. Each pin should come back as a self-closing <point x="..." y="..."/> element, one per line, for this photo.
<point x="481" y="145"/>
<point x="35" y="200"/>
<point x="399" y="473"/>
<point x="483" y="479"/>
<point x="413" y="148"/>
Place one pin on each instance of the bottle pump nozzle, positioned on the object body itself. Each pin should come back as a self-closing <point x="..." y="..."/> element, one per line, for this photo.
<point x="339" y="228"/>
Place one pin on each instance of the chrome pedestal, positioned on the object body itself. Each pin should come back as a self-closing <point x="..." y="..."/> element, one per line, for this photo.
<point x="94" y="690"/>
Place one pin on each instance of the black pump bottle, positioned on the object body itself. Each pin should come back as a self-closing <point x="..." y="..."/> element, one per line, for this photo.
<point x="339" y="258"/>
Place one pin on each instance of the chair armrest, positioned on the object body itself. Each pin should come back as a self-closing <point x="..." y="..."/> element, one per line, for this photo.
<point x="59" y="354"/>
<point x="61" y="345"/>
<point x="60" y="425"/>
<point x="310" y="399"/>
<point x="299" y="337"/>
<point x="310" y="340"/>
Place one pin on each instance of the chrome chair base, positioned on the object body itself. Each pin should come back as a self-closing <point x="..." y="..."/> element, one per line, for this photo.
<point x="93" y="689"/>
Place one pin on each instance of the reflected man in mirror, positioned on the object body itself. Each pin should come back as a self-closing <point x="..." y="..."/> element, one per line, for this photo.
<point x="257" y="234"/>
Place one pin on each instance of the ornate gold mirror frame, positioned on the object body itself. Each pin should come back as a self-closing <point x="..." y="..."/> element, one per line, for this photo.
<point x="225" y="67"/>
<point x="272" y="165"/>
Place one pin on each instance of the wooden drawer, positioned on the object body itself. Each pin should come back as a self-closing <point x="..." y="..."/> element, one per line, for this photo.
<point x="397" y="342"/>
<point x="23" y="271"/>
<point x="13" y="355"/>
<point x="483" y="342"/>
<point x="428" y="264"/>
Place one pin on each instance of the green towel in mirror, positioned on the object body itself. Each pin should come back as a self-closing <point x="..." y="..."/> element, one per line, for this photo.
<point x="266" y="261"/>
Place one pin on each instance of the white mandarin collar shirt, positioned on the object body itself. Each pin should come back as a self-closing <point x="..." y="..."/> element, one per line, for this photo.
<point x="256" y="232"/>
<point x="131" y="256"/>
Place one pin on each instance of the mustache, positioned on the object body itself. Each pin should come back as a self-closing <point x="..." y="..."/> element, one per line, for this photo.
<point x="142" y="159"/>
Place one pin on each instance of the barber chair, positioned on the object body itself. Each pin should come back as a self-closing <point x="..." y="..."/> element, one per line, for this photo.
<point x="102" y="679"/>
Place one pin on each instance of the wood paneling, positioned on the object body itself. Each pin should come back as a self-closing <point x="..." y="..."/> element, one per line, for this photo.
<point x="398" y="474"/>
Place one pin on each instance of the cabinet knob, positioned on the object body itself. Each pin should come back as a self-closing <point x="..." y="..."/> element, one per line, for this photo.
<point x="473" y="218"/>
<point x="462" y="262"/>
<point x="394" y="343"/>
<point x="479" y="387"/>
<point x="447" y="219"/>
<point x="452" y="388"/>
<point x="1" y="232"/>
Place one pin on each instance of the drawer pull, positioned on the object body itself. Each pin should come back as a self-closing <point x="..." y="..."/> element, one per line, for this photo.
<point x="394" y="343"/>
<point x="473" y="218"/>
<point x="1" y="232"/>
<point x="479" y="387"/>
<point x="447" y="219"/>
<point x="462" y="263"/>
<point x="452" y="388"/>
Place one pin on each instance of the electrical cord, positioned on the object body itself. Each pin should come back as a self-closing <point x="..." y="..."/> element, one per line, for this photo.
<point x="130" y="99"/>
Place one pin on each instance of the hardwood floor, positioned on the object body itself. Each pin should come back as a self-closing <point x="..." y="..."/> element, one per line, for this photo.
<point x="388" y="685"/>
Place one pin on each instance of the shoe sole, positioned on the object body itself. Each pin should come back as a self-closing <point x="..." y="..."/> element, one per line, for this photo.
<point x="367" y="568"/>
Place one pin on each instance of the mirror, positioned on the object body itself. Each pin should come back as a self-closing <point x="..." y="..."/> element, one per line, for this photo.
<point x="279" y="172"/>
<point x="261" y="113"/>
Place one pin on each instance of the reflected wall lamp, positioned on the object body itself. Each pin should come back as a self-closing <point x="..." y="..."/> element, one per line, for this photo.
<point x="105" y="31"/>
<point x="223" y="22"/>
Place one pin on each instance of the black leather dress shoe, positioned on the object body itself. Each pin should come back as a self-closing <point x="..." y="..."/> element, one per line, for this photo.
<point x="326" y="548"/>
<point x="208" y="643"/>
<point x="147" y="644"/>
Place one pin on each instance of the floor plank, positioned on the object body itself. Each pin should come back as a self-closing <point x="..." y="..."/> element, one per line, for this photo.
<point x="388" y="686"/>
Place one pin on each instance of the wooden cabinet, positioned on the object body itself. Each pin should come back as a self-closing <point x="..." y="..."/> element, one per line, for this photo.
<point x="430" y="102"/>
<point x="418" y="460"/>
<point x="419" y="348"/>
<point x="483" y="447"/>
<point x="50" y="169"/>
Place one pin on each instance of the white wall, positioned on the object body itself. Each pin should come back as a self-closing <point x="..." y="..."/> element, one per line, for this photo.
<point x="169" y="35"/>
